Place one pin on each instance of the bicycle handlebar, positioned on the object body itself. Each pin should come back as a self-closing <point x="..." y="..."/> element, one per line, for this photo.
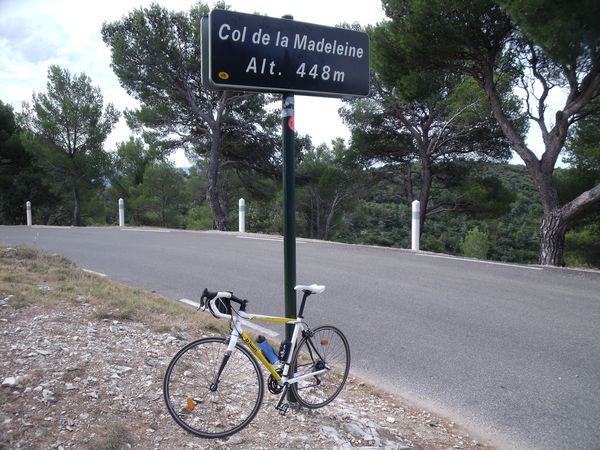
<point x="221" y="301"/>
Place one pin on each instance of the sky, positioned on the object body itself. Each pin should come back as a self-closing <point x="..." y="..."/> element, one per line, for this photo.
<point x="35" y="34"/>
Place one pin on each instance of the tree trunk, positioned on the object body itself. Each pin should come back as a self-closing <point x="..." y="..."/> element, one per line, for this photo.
<point x="426" y="179"/>
<point x="552" y="238"/>
<point x="554" y="225"/>
<point x="408" y="185"/>
<point x="212" y="192"/>
<point x="77" y="209"/>
<point x="332" y="210"/>
<point x="554" y="221"/>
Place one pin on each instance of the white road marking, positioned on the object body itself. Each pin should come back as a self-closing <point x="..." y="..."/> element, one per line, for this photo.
<point x="267" y="239"/>
<point x="54" y="227"/>
<point x="100" y="274"/>
<point x="145" y="230"/>
<point x="495" y="263"/>
<point x="189" y="302"/>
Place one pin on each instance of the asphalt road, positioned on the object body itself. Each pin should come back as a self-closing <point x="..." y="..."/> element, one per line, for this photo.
<point x="512" y="352"/>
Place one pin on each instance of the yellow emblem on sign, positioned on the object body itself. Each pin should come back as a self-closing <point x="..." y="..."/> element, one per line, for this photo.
<point x="223" y="75"/>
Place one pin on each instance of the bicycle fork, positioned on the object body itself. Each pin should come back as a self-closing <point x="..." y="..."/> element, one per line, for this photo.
<point x="215" y="383"/>
<point x="230" y="349"/>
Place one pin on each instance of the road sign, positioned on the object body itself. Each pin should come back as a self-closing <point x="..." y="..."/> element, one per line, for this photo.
<point x="258" y="53"/>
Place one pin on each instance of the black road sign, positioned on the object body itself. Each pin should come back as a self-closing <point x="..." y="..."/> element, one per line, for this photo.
<point x="258" y="53"/>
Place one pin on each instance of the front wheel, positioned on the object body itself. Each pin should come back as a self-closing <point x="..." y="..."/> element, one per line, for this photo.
<point x="324" y="348"/>
<point x="208" y="406"/>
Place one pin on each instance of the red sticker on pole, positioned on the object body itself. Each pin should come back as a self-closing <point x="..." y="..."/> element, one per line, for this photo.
<point x="291" y="123"/>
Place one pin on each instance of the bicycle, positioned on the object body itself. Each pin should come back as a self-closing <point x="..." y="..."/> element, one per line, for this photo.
<point x="214" y="387"/>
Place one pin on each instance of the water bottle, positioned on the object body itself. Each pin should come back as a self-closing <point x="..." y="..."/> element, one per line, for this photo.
<point x="266" y="349"/>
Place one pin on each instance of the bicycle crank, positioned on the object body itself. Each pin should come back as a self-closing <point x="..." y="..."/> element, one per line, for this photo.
<point x="272" y="384"/>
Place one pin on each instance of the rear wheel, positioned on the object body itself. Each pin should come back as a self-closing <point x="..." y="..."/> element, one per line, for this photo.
<point x="203" y="407"/>
<point x="324" y="348"/>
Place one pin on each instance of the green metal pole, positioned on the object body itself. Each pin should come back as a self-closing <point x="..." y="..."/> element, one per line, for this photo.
<point x="289" y="215"/>
<point x="289" y="212"/>
<point x="289" y="209"/>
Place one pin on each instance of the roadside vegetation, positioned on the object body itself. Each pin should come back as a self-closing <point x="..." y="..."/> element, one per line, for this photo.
<point x="32" y="277"/>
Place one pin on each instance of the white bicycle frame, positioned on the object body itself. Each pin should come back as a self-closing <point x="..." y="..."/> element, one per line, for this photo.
<point x="241" y="318"/>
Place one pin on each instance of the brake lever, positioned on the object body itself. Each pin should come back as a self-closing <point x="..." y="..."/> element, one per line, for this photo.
<point x="203" y="301"/>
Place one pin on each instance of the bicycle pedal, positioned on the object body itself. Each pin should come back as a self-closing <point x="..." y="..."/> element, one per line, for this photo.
<point x="282" y="409"/>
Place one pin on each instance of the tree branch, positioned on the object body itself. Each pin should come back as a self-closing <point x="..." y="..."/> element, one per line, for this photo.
<point x="579" y="204"/>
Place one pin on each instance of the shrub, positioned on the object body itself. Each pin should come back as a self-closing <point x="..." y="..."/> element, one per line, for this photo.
<point x="475" y="244"/>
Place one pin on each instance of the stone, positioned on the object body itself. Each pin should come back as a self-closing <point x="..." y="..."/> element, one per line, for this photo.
<point x="11" y="382"/>
<point x="47" y="396"/>
<point x="235" y="440"/>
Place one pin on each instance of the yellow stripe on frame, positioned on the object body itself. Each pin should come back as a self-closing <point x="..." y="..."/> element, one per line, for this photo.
<point x="272" y="319"/>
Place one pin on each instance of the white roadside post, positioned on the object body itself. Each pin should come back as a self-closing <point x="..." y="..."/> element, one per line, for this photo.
<point x="416" y="225"/>
<point x="28" y="207"/>
<point x="242" y="215"/>
<point x="121" y="212"/>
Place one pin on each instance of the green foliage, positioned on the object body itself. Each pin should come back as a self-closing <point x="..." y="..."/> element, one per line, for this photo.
<point x="264" y="212"/>
<point x="583" y="155"/>
<point x="21" y="178"/>
<point x="583" y="246"/>
<point x="326" y="183"/>
<point x="126" y="176"/>
<point x="475" y="244"/>
<point x="67" y="127"/>
<point x="162" y="197"/>
<point x="499" y="199"/>
<point x="199" y="218"/>
<point x="379" y="215"/>
<point x="563" y="29"/>
<point x="447" y="33"/>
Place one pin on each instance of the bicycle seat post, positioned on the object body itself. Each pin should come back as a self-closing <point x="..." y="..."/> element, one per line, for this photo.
<point x="304" y="297"/>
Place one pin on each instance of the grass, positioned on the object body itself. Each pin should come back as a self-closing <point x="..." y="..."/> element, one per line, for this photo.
<point x="29" y="276"/>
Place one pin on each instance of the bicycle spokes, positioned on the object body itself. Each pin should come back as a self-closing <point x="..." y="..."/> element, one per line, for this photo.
<point x="209" y="395"/>
<point x="324" y="355"/>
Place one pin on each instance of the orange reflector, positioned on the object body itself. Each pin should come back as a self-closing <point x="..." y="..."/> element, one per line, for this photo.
<point x="191" y="404"/>
<point x="324" y="342"/>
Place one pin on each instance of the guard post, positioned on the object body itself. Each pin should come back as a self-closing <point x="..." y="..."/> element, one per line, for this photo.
<point x="416" y="226"/>
<point x="28" y="210"/>
<point x="121" y="212"/>
<point x="241" y="215"/>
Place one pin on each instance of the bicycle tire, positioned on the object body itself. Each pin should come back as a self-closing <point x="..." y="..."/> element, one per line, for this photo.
<point x="224" y="411"/>
<point x="334" y="351"/>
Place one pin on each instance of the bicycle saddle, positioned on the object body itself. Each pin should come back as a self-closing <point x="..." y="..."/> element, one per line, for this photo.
<point x="313" y="288"/>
